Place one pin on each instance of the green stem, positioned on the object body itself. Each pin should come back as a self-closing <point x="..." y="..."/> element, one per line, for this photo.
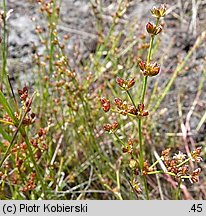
<point x="185" y="161"/>
<point x="144" y="87"/>
<point x="178" y="189"/>
<point x="51" y="49"/>
<point x="156" y="162"/>
<point x="150" y="50"/>
<point x="149" y="55"/>
<point x="118" y="184"/>
<point x="4" y="48"/>
<point x="21" y="129"/>
<point x="34" y="162"/>
<point x="130" y="97"/>
<point x="141" y="158"/>
<point x="118" y="138"/>
<point x="161" y="172"/>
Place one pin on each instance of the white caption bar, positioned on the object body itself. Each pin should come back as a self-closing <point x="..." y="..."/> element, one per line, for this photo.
<point x="102" y="208"/>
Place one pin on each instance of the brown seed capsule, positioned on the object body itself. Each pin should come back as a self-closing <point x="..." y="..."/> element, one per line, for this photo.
<point x="131" y="109"/>
<point x="23" y="93"/>
<point x="155" y="69"/>
<point x="152" y="29"/>
<point x="120" y="82"/>
<point x="114" y="125"/>
<point x="130" y="83"/>
<point x="142" y="65"/>
<point x="165" y="153"/>
<point x="150" y="69"/>
<point x="33" y="115"/>
<point x="125" y="149"/>
<point x="196" y="154"/>
<point x="185" y="169"/>
<point x="105" y="104"/>
<point x="107" y="127"/>
<point x="118" y="102"/>
<point x="194" y="177"/>
<point x="125" y="84"/>
<point x="141" y="112"/>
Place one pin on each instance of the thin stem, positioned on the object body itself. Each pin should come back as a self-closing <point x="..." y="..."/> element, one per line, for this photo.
<point x="118" y="138"/>
<point x="21" y="129"/>
<point x="149" y="55"/>
<point x="34" y="162"/>
<point x="156" y="162"/>
<point x="161" y="172"/>
<point x="178" y="189"/>
<point x="144" y="87"/>
<point x="118" y="184"/>
<point x="130" y="97"/>
<point x="150" y="50"/>
<point x="185" y="161"/>
<point x="4" y="47"/>
<point x="141" y="158"/>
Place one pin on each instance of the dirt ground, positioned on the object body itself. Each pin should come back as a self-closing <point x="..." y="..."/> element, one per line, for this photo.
<point x="184" y="23"/>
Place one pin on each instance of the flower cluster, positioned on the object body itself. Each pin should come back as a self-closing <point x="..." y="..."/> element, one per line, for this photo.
<point x="149" y="69"/>
<point x="48" y="7"/>
<point x="29" y="117"/>
<point x="129" y="147"/>
<point x="26" y="105"/>
<point x="105" y="104"/>
<point x="111" y="128"/>
<point x="124" y="108"/>
<point x="178" y="167"/>
<point x="30" y="185"/>
<point x="39" y="142"/>
<point x="125" y="84"/>
<point x="195" y="155"/>
<point x="175" y="165"/>
<point x="159" y="12"/>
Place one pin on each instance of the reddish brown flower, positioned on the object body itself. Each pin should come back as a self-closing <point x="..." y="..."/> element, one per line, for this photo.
<point x="120" y="82"/>
<point x="165" y="153"/>
<point x="152" y="29"/>
<point x="182" y="171"/>
<point x="131" y="109"/>
<point x="150" y="69"/>
<point x="118" y="102"/>
<point x="23" y="93"/>
<point x="111" y="127"/>
<point x="114" y="125"/>
<point x="196" y="154"/>
<point x="107" y="127"/>
<point x="141" y="112"/>
<point x="130" y="83"/>
<point x="105" y="104"/>
<point x="194" y="177"/>
<point x="125" y="84"/>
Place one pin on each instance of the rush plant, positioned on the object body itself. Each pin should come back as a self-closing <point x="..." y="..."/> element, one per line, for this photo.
<point x="176" y="165"/>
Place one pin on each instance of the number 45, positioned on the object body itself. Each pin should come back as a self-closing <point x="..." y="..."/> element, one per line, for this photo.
<point x="196" y="208"/>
